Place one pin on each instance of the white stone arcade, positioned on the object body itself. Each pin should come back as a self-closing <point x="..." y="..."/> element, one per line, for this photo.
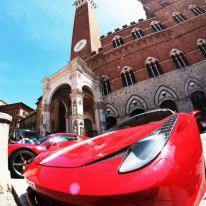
<point x="77" y="76"/>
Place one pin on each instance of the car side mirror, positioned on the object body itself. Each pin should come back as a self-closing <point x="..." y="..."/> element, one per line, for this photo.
<point x="196" y="113"/>
<point x="48" y="144"/>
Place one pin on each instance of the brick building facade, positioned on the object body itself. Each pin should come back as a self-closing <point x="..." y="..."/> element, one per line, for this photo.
<point x="154" y="63"/>
<point x="18" y="111"/>
<point x="29" y="122"/>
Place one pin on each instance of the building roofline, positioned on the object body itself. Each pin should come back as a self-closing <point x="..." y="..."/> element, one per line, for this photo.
<point x="3" y="101"/>
<point x="19" y="104"/>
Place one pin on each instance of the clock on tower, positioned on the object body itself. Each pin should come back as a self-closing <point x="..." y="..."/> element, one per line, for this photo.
<point x="80" y="45"/>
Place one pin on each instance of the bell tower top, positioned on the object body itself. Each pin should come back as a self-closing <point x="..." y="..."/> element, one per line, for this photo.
<point x="79" y="3"/>
<point x="86" y="37"/>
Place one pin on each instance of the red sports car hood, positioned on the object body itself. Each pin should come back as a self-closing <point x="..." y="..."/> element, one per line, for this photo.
<point x="90" y="150"/>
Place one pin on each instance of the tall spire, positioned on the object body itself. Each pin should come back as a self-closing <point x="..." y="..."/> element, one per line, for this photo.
<point x="86" y="37"/>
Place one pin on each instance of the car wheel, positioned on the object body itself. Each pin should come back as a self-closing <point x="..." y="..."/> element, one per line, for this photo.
<point x="19" y="160"/>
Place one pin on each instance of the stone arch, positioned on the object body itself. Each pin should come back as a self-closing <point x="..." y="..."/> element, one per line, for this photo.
<point x="111" y="116"/>
<point x="175" y="52"/>
<point x="200" y="42"/>
<point x="135" y="102"/>
<point x="192" y="85"/>
<point x="164" y="93"/>
<point x="192" y="6"/>
<point x="60" y="108"/>
<point x="169" y="104"/>
<point x="150" y="60"/>
<point x="116" y="38"/>
<point x="90" y="88"/>
<point x="111" y="111"/>
<point x="127" y="69"/>
<point x="54" y="90"/>
<point x="153" y="23"/>
<point x="65" y="105"/>
<point x="198" y="100"/>
<point x="135" y="29"/>
<point x="103" y="77"/>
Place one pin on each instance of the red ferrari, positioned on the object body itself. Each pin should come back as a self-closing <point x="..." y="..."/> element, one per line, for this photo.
<point x="152" y="159"/>
<point x="22" y="154"/>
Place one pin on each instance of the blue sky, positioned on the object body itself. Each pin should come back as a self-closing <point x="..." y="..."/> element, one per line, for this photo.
<point x="35" y="37"/>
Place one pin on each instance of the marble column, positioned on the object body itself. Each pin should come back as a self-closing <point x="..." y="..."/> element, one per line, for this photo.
<point x="6" y="198"/>
<point x="100" y="117"/>
<point x="68" y="122"/>
<point x="45" y="125"/>
<point x="77" y="117"/>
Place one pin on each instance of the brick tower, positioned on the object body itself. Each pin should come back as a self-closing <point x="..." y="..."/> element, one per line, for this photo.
<point x="86" y="38"/>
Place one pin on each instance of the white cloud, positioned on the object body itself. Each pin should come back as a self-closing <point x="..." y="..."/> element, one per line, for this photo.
<point x="44" y="22"/>
<point x="48" y="23"/>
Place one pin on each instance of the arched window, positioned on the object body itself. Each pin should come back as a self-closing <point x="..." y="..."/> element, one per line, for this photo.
<point x="137" y="33"/>
<point x="153" y="67"/>
<point x="169" y="104"/>
<point x="128" y="76"/>
<point x="157" y="26"/>
<point x="178" y="17"/>
<point x="117" y="41"/>
<point x="110" y="122"/>
<point x="198" y="100"/>
<point x="88" y="128"/>
<point x="164" y="3"/>
<point x="106" y="88"/>
<point x="196" y="10"/>
<point x="179" y="59"/>
<point x="136" y="112"/>
<point x="201" y="43"/>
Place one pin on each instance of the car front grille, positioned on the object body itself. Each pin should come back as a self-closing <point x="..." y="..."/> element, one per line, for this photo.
<point x="37" y="199"/>
<point x="169" y="125"/>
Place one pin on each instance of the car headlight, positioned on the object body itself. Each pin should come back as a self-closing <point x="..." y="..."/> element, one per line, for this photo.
<point x="146" y="150"/>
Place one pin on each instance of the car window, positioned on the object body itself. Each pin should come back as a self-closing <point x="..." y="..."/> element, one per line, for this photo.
<point x="142" y="119"/>
<point x="64" y="138"/>
<point x="42" y="139"/>
<point x="26" y="134"/>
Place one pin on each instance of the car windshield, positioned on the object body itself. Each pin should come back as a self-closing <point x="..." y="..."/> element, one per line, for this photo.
<point x="142" y="119"/>
<point x="58" y="138"/>
<point x="42" y="139"/>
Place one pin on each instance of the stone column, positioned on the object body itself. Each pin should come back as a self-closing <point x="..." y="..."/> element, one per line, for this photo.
<point x="100" y="117"/>
<point x="45" y="125"/>
<point x="68" y="122"/>
<point x="6" y="198"/>
<point x="77" y="111"/>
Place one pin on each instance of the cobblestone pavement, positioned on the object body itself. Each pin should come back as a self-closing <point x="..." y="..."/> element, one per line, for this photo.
<point x="20" y="184"/>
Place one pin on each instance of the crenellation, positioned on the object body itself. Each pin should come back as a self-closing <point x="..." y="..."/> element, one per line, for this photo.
<point x="79" y="3"/>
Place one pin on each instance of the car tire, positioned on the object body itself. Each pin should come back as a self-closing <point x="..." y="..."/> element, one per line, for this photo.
<point x="18" y="161"/>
